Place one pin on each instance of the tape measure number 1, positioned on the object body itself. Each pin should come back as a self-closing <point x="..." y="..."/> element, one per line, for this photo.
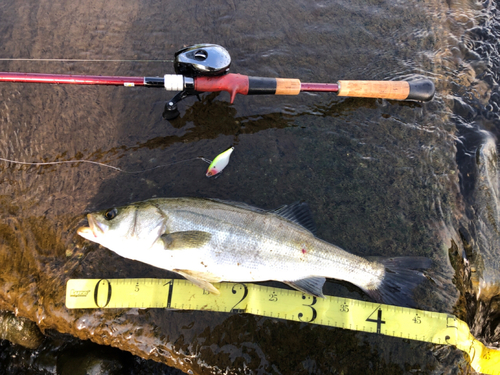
<point x="413" y="324"/>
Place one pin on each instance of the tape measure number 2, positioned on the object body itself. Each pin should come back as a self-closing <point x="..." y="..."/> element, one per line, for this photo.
<point x="413" y="324"/>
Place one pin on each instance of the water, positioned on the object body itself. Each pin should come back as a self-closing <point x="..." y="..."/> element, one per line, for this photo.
<point x="381" y="177"/>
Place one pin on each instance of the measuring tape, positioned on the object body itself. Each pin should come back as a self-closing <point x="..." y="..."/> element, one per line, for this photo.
<point x="437" y="328"/>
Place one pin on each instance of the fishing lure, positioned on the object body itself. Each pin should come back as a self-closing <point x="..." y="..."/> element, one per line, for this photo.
<point x="219" y="163"/>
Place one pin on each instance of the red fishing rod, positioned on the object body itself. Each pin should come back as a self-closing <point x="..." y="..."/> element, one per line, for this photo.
<point x="203" y="68"/>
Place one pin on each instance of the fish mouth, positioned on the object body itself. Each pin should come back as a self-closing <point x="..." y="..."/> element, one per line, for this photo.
<point x="93" y="230"/>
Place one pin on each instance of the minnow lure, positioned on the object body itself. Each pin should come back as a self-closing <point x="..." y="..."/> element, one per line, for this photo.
<point x="219" y="163"/>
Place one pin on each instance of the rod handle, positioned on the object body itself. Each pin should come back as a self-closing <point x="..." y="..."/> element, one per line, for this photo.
<point x="245" y="85"/>
<point x="420" y="90"/>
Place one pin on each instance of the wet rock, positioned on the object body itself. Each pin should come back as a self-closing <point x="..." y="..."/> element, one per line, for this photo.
<point x="20" y="331"/>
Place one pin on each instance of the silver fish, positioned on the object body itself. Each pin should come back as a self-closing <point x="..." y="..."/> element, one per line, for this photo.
<point x="209" y="241"/>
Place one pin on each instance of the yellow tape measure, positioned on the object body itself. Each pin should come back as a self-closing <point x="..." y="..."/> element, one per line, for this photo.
<point x="437" y="328"/>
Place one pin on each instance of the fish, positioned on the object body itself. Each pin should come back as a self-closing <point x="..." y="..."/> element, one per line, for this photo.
<point x="209" y="241"/>
<point x="219" y="163"/>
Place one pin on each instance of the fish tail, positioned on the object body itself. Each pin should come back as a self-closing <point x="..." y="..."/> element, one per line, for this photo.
<point x="402" y="275"/>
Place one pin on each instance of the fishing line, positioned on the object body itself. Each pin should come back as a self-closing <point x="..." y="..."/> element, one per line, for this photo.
<point x="100" y="164"/>
<point x="79" y="60"/>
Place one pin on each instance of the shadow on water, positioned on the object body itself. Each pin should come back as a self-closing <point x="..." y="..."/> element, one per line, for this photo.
<point x="209" y="118"/>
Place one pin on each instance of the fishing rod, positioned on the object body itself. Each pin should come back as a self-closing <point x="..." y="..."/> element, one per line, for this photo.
<point x="204" y="68"/>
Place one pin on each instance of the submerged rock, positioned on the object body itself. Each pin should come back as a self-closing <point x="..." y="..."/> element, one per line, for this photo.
<point x="486" y="248"/>
<point x="92" y="362"/>
<point x="62" y="354"/>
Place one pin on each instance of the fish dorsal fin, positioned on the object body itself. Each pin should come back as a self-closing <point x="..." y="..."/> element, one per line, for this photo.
<point x="299" y="213"/>
<point x="185" y="240"/>
<point x="203" y="279"/>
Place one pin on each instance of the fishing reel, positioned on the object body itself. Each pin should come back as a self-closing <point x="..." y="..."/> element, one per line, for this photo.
<point x="208" y="60"/>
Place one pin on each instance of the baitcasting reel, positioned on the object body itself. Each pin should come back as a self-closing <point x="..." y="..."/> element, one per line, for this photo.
<point x="207" y="60"/>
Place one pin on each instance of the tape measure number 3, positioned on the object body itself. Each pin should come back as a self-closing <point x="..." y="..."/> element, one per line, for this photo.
<point x="413" y="324"/>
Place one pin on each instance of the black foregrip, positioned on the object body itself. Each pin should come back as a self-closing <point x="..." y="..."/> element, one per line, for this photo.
<point x="261" y="86"/>
<point x="421" y="90"/>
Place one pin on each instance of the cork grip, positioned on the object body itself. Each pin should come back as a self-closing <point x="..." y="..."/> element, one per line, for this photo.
<point x="398" y="90"/>
<point x="287" y="86"/>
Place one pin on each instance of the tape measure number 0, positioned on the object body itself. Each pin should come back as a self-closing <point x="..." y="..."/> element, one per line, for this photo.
<point x="437" y="328"/>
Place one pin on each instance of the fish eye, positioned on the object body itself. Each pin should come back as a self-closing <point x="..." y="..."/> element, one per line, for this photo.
<point x="110" y="214"/>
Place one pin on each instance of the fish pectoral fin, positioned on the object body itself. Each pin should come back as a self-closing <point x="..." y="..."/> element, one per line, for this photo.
<point x="202" y="279"/>
<point x="311" y="285"/>
<point x="190" y="239"/>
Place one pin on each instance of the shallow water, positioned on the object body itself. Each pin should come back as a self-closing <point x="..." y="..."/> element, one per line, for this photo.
<point x="381" y="177"/>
